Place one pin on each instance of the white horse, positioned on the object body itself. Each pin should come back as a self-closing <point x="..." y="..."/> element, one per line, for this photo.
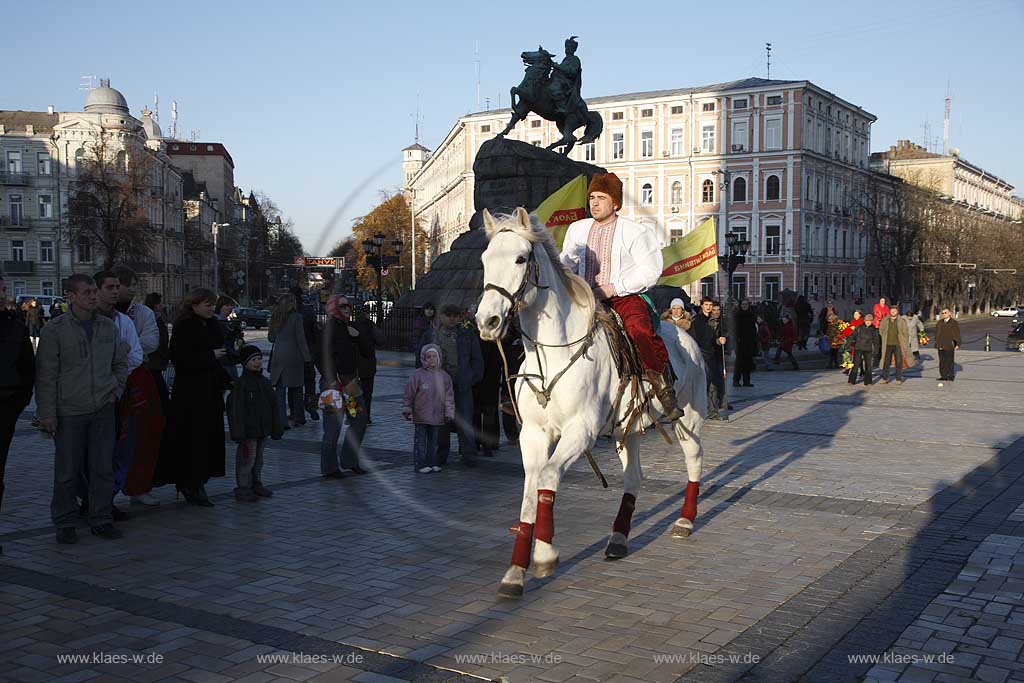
<point x="568" y="386"/>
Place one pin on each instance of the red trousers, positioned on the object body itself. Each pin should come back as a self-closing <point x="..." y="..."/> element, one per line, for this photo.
<point x="636" y="316"/>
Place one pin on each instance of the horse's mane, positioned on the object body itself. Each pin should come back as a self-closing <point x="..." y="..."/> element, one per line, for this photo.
<point x="579" y="292"/>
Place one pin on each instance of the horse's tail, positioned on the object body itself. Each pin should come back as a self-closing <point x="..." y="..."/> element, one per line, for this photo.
<point x="595" y="126"/>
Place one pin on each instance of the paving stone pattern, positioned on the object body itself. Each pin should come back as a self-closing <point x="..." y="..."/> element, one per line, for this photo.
<point x="834" y="521"/>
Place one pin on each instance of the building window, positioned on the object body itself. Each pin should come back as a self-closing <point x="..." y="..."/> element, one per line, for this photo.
<point x="616" y="116"/>
<point x="676" y="139"/>
<point x="740" y="231"/>
<point x="772" y="285"/>
<point x="739" y="136"/>
<point x="43" y="163"/>
<point x="17" y="250"/>
<point x="535" y="123"/>
<point x="618" y="145"/>
<point x="677" y="193"/>
<point x="739" y="287"/>
<point x="47" y="288"/>
<point x="647" y="143"/>
<point x="13" y="162"/>
<point x="646" y="113"/>
<point x="773" y="133"/>
<point x="80" y="160"/>
<point x="535" y="143"/>
<point x="739" y="190"/>
<point x="708" y="106"/>
<point x="707" y="138"/>
<point x="772" y="240"/>
<point x="844" y="244"/>
<point x="678" y="109"/>
<point x="16" y="209"/>
<point x="19" y="287"/>
<point x="675" y="234"/>
<point x="707" y="286"/>
<point x="707" y="192"/>
<point x="774" y="100"/>
<point x="590" y="152"/>
<point x="739" y="104"/>
<point x="45" y="206"/>
<point x="83" y="250"/>
<point x="46" y="251"/>
<point x="486" y="128"/>
<point x="771" y="188"/>
<point x="646" y="194"/>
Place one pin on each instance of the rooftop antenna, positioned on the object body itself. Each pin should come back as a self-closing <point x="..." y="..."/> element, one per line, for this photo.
<point x="194" y="134"/>
<point x="488" y="101"/>
<point x="156" y="108"/>
<point x="945" y="121"/>
<point x="926" y="135"/>
<point x="417" y="117"/>
<point x="88" y="83"/>
<point x="174" y="119"/>
<point x="768" y="52"/>
<point x="477" y="60"/>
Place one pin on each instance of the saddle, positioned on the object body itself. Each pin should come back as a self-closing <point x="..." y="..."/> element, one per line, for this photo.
<point x="631" y="374"/>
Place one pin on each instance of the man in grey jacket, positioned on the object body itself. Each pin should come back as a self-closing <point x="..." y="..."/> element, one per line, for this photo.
<point x="81" y="368"/>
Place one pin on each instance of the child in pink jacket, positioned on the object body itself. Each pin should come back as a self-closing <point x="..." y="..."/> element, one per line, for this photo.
<point x="430" y="403"/>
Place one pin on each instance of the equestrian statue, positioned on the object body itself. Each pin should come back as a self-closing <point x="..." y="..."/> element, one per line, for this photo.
<point x="552" y="91"/>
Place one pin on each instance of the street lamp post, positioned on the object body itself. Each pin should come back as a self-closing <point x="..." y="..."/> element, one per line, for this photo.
<point x="736" y="256"/>
<point x="216" y="264"/>
<point x="375" y="257"/>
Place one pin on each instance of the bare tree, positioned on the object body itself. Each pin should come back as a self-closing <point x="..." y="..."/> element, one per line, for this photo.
<point x="107" y="202"/>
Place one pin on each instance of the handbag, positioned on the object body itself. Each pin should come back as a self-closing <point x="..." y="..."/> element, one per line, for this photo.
<point x="824" y="344"/>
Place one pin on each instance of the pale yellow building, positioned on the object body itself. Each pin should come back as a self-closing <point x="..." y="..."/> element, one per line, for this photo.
<point x="786" y="154"/>
<point x="950" y="176"/>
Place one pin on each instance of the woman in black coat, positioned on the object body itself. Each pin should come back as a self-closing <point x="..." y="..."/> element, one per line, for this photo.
<point x="195" y="426"/>
<point x="745" y="337"/>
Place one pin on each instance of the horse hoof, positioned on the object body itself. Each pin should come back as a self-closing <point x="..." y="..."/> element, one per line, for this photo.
<point x="682" y="528"/>
<point x="542" y="570"/>
<point x="616" y="551"/>
<point x="510" y="590"/>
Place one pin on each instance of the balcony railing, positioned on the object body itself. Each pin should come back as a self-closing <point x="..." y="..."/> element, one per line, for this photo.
<point x="19" y="267"/>
<point x="13" y="178"/>
<point x="16" y="223"/>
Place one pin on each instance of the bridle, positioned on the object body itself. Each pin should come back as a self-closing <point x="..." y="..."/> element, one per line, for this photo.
<point x="543" y="394"/>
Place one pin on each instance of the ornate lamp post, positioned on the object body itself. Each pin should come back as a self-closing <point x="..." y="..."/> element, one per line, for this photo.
<point x="736" y="256"/>
<point x="375" y="257"/>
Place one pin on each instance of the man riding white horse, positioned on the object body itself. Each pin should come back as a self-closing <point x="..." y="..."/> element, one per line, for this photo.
<point x="620" y="260"/>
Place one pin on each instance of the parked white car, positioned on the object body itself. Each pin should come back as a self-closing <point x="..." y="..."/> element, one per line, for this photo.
<point x="44" y="300"/>
<point x="1008" y="312"/>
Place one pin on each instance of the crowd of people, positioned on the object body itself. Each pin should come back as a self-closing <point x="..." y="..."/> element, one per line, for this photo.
<point x="99" y="374"/>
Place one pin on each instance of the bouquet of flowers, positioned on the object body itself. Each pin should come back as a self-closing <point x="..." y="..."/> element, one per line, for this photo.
<point x="847" y="362"/>
<point x="922" y="339"/>
<point x="836" y="333"/>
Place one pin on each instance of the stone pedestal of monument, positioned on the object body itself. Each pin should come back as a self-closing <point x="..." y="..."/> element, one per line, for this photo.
<point x="507" y="174"/>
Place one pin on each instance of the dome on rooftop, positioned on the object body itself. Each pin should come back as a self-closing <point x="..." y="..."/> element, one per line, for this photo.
<point x="105" y="100"/>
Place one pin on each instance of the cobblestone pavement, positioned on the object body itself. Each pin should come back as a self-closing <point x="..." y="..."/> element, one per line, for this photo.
<point x="835" y="523"/>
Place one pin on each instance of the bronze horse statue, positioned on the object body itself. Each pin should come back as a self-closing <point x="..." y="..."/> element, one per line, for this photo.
<point x="536" y="94"/>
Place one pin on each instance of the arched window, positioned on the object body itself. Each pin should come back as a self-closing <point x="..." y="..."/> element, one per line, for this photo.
<point x="79" y="160"/>
<point x="739" y="190"/>
<point x="646" y="194"/>
<point x="771" y="188"/>
<point x="677" y="193"/>
<point x="707" y="192"/>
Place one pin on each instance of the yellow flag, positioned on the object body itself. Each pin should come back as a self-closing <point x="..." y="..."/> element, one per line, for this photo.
<point x="567" y="204"/>
<point x="691" y="258"/>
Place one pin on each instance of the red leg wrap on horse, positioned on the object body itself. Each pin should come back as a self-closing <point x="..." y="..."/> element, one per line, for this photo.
<point x="524" y="541"/>
<point x="625" y="516"/>
<point x="545" y="528"/>
<point x="690" y="502"/>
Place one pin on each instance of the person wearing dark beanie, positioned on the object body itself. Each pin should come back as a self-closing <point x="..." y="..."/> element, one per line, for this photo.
<point x="252" y="417"/>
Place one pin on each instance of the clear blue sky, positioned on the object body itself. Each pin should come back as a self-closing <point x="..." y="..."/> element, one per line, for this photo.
<point x="313" y="98"/>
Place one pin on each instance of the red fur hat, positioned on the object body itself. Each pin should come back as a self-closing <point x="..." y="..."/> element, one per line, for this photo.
<point x="608" y="183"/>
